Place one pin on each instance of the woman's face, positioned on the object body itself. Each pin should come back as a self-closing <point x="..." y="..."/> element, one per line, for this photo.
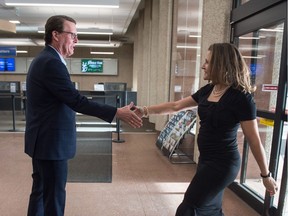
<point x="205" y="66"/>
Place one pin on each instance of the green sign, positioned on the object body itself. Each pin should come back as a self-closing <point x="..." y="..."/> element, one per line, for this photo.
<point x="91" y="66"/>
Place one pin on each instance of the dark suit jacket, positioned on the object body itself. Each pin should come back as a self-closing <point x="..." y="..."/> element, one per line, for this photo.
<point x="51" y="104"/>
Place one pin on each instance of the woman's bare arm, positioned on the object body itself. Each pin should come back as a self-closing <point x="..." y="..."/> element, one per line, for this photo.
<point x="250" y="130"/>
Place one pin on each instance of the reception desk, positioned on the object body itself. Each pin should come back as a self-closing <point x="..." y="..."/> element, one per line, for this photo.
<point x="110" y="97"/>
<point x="10" y="95"/>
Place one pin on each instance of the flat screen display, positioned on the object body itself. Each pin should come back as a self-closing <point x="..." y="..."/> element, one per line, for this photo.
<point x="10" y="64"/>
<point x="2" y="64"/>
<point x="7" y="64"/>
<point x="91" y="66"/>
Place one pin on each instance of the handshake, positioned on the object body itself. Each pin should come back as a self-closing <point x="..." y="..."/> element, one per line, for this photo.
<point x="141" y="111"/>
<point x="132" y="114"/>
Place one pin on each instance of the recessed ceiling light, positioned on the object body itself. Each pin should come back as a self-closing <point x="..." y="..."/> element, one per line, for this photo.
<point x="14" y="21"/>
<point x="102" y="53"/>
<point x="195" y="36"/>
<point x="187" y="47"/>
<point x="21" y="51"/>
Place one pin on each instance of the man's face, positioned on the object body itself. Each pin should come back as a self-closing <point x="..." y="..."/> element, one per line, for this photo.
<point x="67" y="39"/>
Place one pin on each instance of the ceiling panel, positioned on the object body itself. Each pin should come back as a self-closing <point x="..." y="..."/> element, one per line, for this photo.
<point x="32" y="17"/>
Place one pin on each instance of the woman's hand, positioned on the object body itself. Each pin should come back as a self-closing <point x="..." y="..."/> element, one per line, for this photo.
<point x="270" y="185"/>
<point x="138" y="111"/>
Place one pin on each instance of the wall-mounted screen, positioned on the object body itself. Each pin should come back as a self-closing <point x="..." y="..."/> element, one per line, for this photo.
<point x="91" y="66"/>
<point x="2" y="64"/>
<point x="7" y="64"/>
<point x="10" y="64"/>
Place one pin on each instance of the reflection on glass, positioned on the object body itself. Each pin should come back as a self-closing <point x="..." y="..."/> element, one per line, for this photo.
<point x="186" y="52"/>
<point x="284" y="144"/>
<point x="261" y="50"/>
<point x="244" y="1"/>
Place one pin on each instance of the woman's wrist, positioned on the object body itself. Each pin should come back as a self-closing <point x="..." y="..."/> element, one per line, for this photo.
<point x="267" y="175"/>
<point x="145" y="112"/>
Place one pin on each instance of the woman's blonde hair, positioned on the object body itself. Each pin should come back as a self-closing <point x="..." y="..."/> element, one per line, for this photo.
<point x="227" y="67"/>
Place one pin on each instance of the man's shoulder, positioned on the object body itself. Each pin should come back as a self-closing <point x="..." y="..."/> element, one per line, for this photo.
<point x="49" y="51"/>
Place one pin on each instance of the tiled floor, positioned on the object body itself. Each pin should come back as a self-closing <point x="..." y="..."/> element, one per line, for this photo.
<point x="144" y="182"/>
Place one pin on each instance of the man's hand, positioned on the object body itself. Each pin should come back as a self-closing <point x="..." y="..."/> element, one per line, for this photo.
<point x="127" y="115"/>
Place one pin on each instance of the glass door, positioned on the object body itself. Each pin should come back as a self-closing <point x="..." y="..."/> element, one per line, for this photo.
<point x="262" y="39"/>
<point x="261" y="50"/>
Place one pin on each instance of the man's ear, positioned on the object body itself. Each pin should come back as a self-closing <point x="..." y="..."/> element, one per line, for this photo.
<point x="55" y="35"/>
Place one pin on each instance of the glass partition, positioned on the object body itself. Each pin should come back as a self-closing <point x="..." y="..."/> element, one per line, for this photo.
<point x="186" y="48"/>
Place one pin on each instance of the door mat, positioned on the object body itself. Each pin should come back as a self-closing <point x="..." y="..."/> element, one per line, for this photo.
<point x="93" y="160"/>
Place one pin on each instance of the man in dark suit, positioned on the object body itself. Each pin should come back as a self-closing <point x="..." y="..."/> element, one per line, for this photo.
<point x="52" y="100"/>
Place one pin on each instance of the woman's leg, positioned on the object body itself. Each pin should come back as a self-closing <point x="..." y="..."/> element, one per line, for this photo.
<point x="205" y="193"/>
<point x="185" y="210"/>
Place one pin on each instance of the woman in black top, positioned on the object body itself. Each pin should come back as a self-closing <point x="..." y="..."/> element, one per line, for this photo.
<point x="223" y="105"/>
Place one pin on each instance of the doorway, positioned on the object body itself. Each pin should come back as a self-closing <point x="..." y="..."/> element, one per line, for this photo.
<point x="259" y="31"/>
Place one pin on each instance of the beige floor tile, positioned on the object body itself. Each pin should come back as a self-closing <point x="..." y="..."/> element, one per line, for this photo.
<point x="144" y="182"/>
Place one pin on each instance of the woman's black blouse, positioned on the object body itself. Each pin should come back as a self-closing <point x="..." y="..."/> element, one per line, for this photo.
<point x="219" y="121"/>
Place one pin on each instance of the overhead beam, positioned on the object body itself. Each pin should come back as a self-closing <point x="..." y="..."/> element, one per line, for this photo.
<point x="6" y="26"/>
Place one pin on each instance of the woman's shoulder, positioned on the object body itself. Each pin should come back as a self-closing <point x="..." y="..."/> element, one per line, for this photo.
<point x="206" y="88"/>
<point x="240" y="97"/>
<point x="242" y="103"/>
<point x="240" y="93"/>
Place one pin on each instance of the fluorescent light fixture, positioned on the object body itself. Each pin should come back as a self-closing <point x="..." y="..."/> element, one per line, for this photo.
<point x="272" y="30"/>
<point x="17" y="42"/>
<point x="89" y="31"/>
<point x="251" y="38"/>
<point x="71" y="3"/>
<point x="14" y="21"/>
<point x="254" y="57"/>
<point x="97" y="43"/>
<point x="95" y="31"/>
<point x="31" y="29"/>
<point x="102" y="53"/>
<point x="88" y="43"/>
<point x="194" y="36"/>
<point x="187" y="47"/>
<point x="21" y="51"/>
<point x="38" y="42"/>
<point x="41" y="30"/>
<point x="244" y="48"/>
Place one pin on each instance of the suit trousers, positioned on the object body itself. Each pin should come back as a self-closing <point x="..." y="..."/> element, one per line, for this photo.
<point x="48" y="193"/>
